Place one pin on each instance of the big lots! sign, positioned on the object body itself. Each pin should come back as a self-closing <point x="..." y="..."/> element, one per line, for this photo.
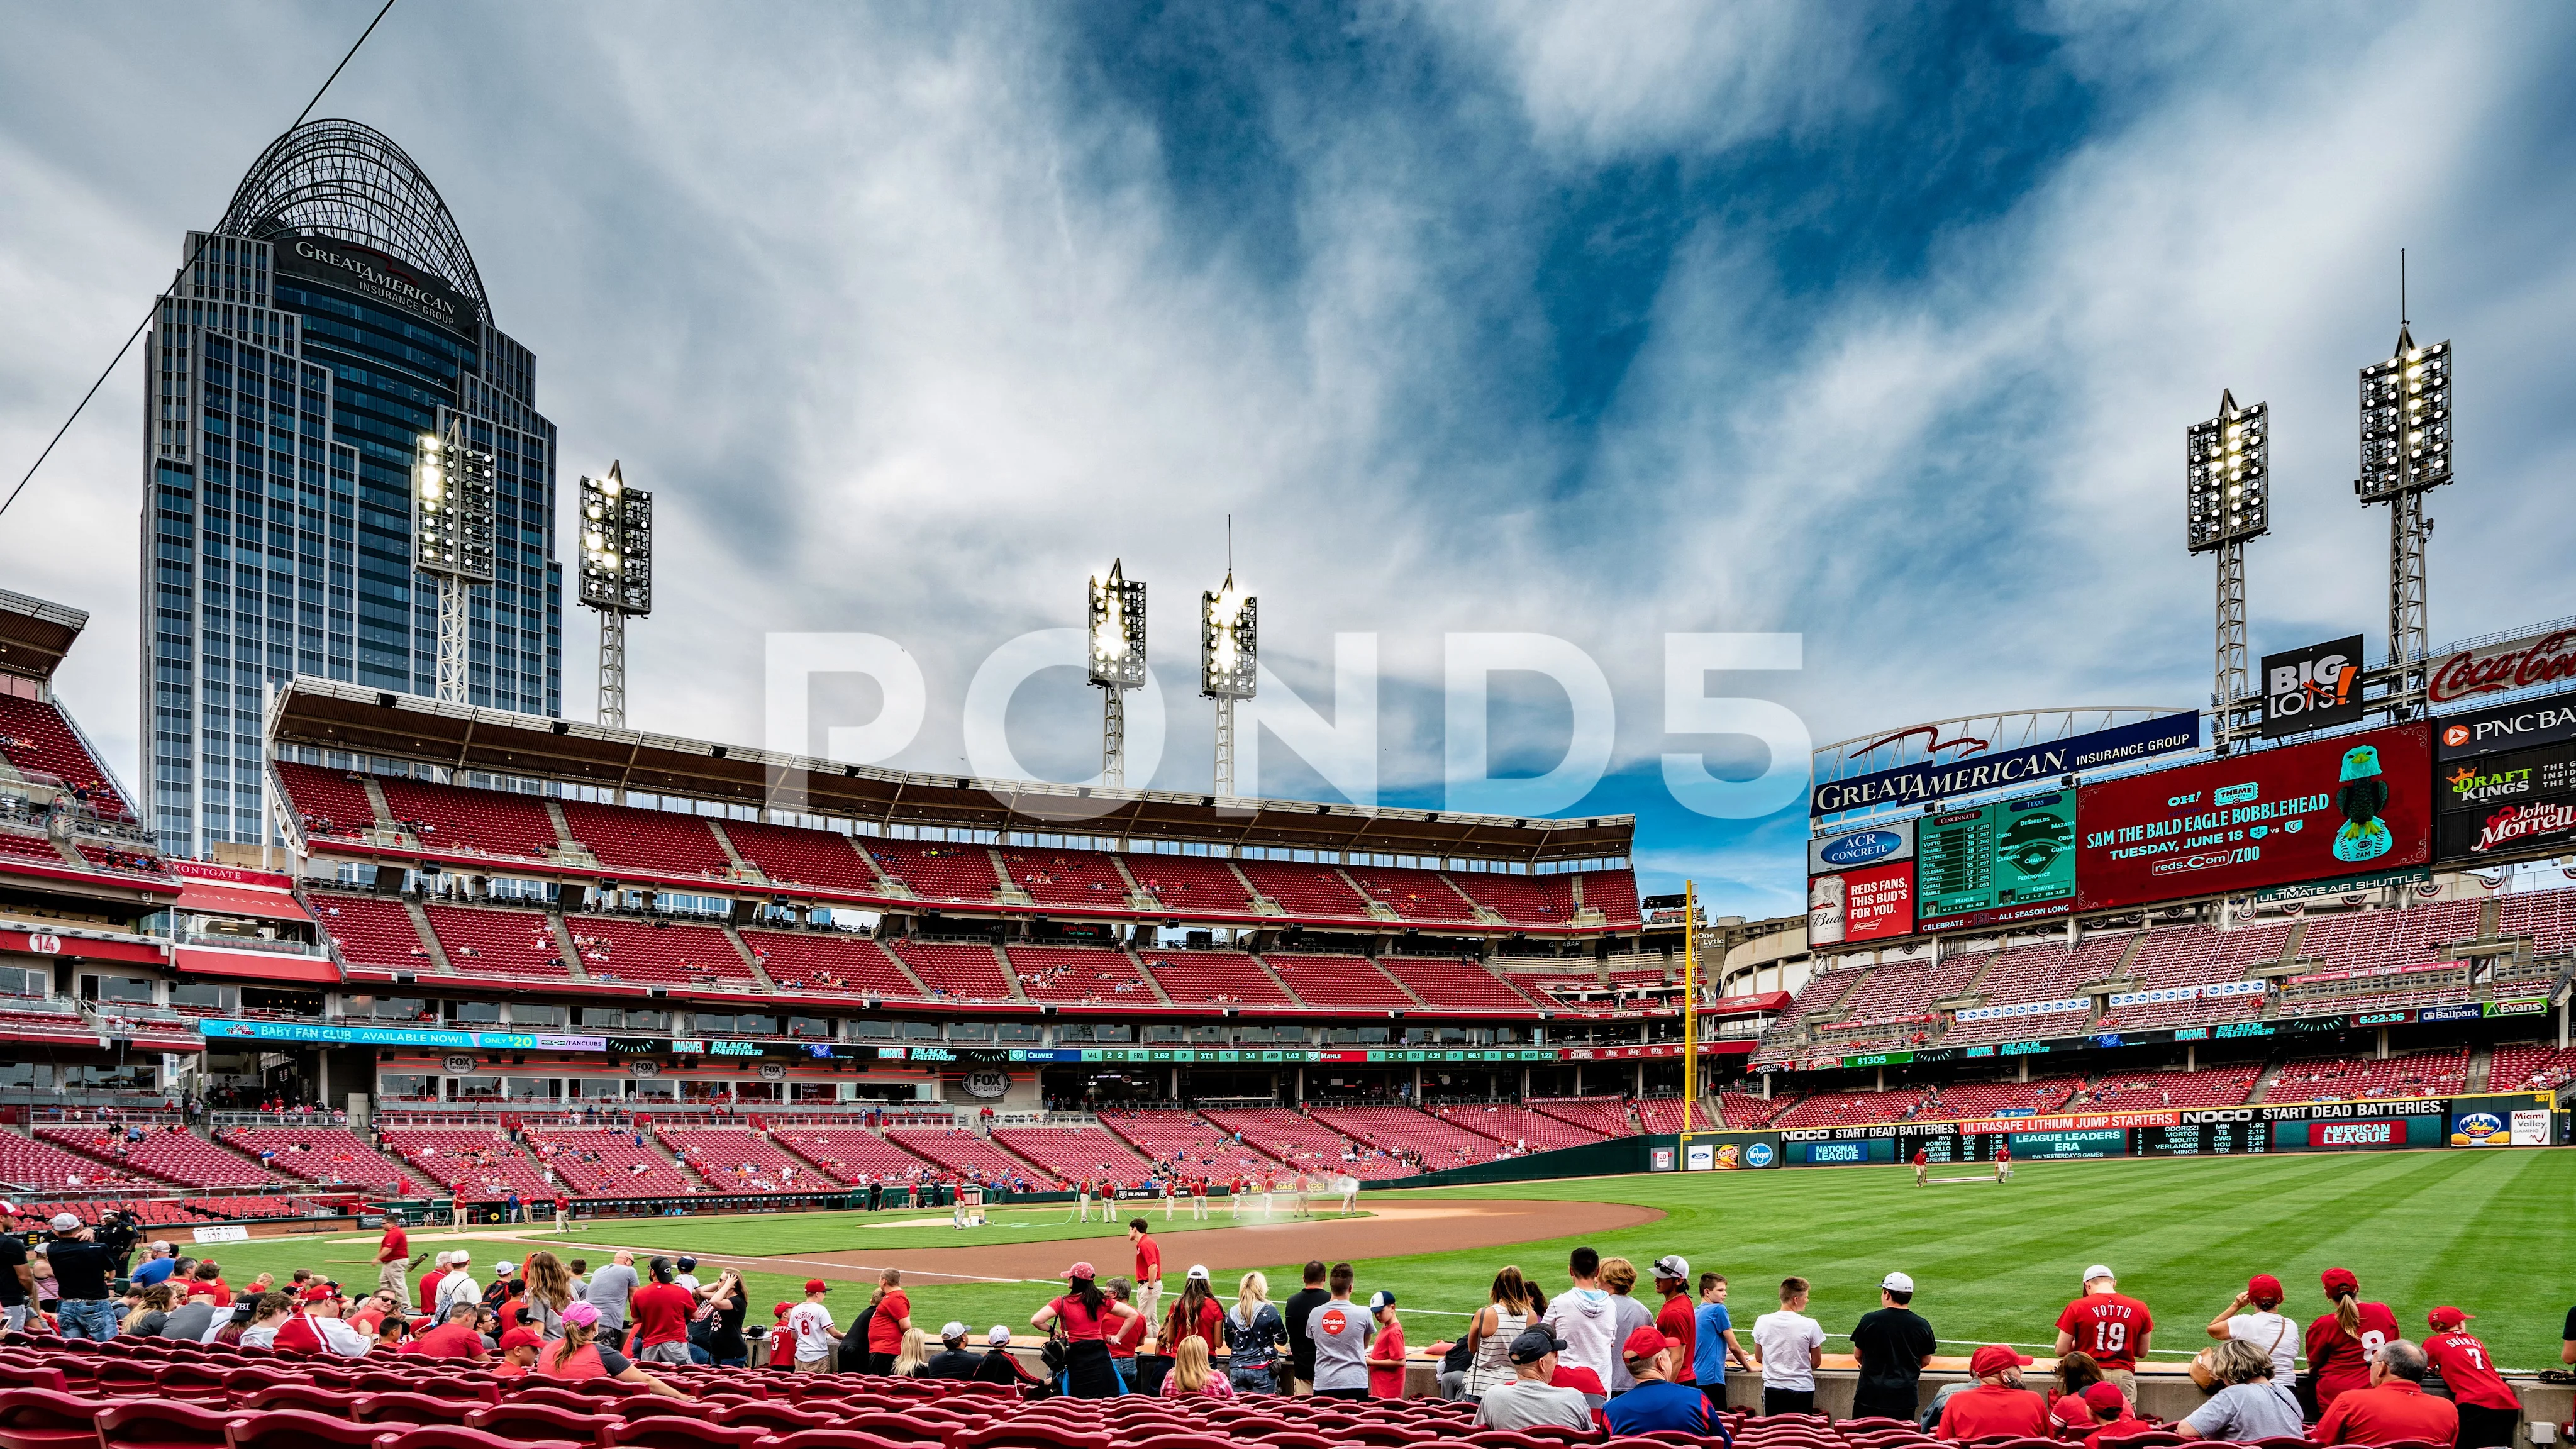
<point x="2514" y="664"/>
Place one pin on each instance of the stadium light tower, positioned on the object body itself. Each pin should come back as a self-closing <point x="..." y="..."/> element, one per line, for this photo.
<point x="616" y="575"/>
<point x="1117" y="662"/>
<point x="451" y="540"/>
<point x="2228" y="500"/>
<point x="1229" y="664"/>
<point x="2405" y="451"/>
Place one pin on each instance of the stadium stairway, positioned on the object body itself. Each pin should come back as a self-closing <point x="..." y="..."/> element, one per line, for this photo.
<point x="743" y="869"/>
<point x="2263" y="1084"/>
<point x="376" y="801"/>
<point x="411" y="908"/>
<point x="564" y="943"/>
<point x="742" y="948"/>
<point x="2481" y="1061"/>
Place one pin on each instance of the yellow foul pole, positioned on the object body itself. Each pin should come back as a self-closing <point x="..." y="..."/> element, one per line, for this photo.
<point x="1690" y="1006"/>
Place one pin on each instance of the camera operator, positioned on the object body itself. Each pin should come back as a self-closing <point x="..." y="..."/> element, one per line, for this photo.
<point x="82" y="1267"/>
<point x="120" y="1232"/>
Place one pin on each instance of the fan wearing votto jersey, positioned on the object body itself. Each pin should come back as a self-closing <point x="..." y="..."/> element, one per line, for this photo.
<point x="2109" y="1325"/>
<point x="2342" y="1343"/>
<point x="2488" y="1405"/>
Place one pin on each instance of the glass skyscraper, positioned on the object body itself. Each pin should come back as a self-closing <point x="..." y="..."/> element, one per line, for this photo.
<point x="329" y="320"/>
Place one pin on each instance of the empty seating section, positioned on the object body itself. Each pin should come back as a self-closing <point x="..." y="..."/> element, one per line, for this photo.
<point x="659" y="841"/>
<point x="1078" y="878"/>
<point x="1966" y="1100"/>
<point x="852" y="1154"/>
<point x="373" y="931"/>
<point x="329" y="802"/>
<point x="1523" y="900"/>
<point x="2430" y="983"/>
<point x="2038" y="1027"/>
<point x="498" y="943"/>
<point x="1321" y="980"/>
<point x="1307" y="891"/>
<point x="2547" y="917"/>
<point x="1434" y="1142"/>
<point x="2327" y="1079"/>
<point x="968" y="973"/>
<point x="1079" y="973"/>
<point x="1189" y="1139"/>
<point x="35" y="735"/>
<point x="605" y="1164"/>
<point x="44" y="1165"/>
<point x="789" y="855"/>
<point x="964" y="1153"/>
<point x="330" y="1155"/>
<point x="2530" y="1066"/>
<point x="30" y="847"/>
<point x="616" y="948"/>
<point x="1416" y="895"/>
<point x="1843" y="1109"/>
<point x="180" y="1157"/>
<point x="476" y="1165"/>
<point x="2357" y="939"/>
<point x="1909" y="987"/>
<point x="1186" y="883"/>
<point x="1519" y="1126"/>
<point x="1605" y="1115"/>
<point x="1456" y="985"/>
<point x="1214" y="978"/>
<point x="1663" y="1114"/>
<point x="489" y="822"/>
<point x="1557" y="986"/>
<point x="2051" y="972"/>
<point x="739" y="1160"/>
<point x="2154" y="1091"/>
<point x="1743" y="1109"/>
<point x="1613" y="893"/>
<point x="1286" y="1135"/>
<point x="829" y="961"/>
<point x="937" y="872"/>
<point x="1072" y="1154"/>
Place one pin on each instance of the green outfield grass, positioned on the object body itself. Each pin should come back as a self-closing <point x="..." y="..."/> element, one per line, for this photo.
<point x="2486" y="1231"/>
<point x="763" y="1236"/>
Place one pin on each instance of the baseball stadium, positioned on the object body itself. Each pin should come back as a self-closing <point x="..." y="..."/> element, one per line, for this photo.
<point x="449" y="1073"/>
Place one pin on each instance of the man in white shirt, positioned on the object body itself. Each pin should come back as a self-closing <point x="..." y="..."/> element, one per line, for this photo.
<point x="457" y="1287"/>
<point x="2255" y="1317"/>
<point x="1583" y="1316"/>
<point x="1790" y="1346"/>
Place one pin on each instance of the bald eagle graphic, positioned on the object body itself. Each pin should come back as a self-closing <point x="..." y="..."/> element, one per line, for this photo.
<point x="2363" y="835"/>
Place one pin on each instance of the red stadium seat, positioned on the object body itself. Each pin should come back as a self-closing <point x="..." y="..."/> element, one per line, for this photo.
<point x="331" y="1402"/>
<point x="137" y="1422"/>
<point x="296" y="1429"/>
<point x="408" y="1407"/>
<point x="776" y="1417"/>
<point x="1024" y="1434"/>
<point x="39" y="1418"/>
<point x="681" y="1431"/>
<point x="839" y="1439"/>
<point x="457" y="1436"/>
<point x="27" y="1376"/>
<point x="195" y="1383"/>
<point x="522" y="1420"/>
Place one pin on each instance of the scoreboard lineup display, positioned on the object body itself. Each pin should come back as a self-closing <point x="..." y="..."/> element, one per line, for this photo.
<point x="2012" y="861"/>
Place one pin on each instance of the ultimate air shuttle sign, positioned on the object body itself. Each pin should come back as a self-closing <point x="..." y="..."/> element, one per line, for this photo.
<point x="2004" y="769"/>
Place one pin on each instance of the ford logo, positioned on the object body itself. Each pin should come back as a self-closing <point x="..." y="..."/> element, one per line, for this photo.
<point x="1861" y="847"/>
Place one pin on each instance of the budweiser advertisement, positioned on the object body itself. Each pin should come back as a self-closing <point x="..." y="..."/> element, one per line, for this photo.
<point x="2511" y="664"/>
<point x="2273" y="817"/>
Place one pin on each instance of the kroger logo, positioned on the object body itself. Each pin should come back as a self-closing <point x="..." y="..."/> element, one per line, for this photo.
<point x="1862" y="846"/>
<point x="1758" y="1154"/>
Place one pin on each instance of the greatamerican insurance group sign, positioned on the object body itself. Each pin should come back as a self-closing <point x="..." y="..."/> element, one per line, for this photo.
<point x="369" y="272"/>
<point x="1946" y="779"/>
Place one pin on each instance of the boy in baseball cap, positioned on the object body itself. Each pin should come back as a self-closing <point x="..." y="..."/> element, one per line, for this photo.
<point x="519" y="1349"/>
<point x="1656" y="1402"/>
<point x="1677" y="1318"/>
<point x="1998" y="1405"/>
<point x="2488" y="1405"/>
<point x="1893" y="1343"/>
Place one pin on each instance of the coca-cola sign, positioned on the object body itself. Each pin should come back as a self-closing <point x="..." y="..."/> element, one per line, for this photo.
<point x="2513" y="664"/>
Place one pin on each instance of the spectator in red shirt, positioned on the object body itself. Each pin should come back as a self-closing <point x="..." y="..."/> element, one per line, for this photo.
<point x="2341" y="1344"/>
<point x="661" y="1310"/>
<point x="2393" y="1408"/>
<point x="2109" y="1325"/>
<point x="2488" y="1405"/>
<point x="1677" y="1320"/>
<point x="2113" y="1418"/>
<point x="393" y="1257"/>
<point x="886" y="1328"/>
<point x="519" y="1348"/>
<point x="1149" y="1267"/>
<point x="429" y="1280"/>
<point x="454" y="1338"/>
<point x="1998" y="1404"/>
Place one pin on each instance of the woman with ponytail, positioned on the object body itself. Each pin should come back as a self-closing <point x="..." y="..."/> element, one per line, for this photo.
<point x="1080" y="1318"/>
<point x="2342" y="1343"/>
<point x="579" y="1355"/>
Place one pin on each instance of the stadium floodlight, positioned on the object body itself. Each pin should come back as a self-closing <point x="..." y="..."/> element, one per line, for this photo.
<point x="1229" y="665"/>
<point x="2405" y="451"/>
<point x="2227" y="499"/>
<point x="1116" y="662"/>
<point x="616" y="575"/>
<point x="452" y="538"/>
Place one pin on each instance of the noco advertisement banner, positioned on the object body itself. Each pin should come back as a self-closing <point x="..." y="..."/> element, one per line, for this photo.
<point x="2012" y="861"/>
<point x="2303" y="812"/>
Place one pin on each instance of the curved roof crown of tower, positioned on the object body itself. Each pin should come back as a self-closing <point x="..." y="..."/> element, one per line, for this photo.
<point x="341" y="179"/>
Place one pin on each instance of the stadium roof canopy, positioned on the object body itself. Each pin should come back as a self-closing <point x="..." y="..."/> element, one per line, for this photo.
<point x="331" y="715"/>
<point x="35" y="635"/>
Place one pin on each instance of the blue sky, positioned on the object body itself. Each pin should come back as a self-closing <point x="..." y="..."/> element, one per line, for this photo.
<point x="1877" y="325"/>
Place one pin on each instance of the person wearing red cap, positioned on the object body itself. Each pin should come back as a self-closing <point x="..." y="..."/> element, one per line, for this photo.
<point x="2393" y="1407"/>
<point x="1081" y="1318"/>
<point x="2488" y="1405"/>
<point x="519" y="1348"/>
<point x="454" y="1338"/>
<point x="2341" y="1343"/>
<point x="1998" y="1404"/>
<point x="1922" y="1166"/>
<point x="810" y="1324"/>
<point x="1656" y="1402"/>
<point x="2255" y="1317"/>
<point x="2108" y="1324"/>
<point x="2112" y="1416"/>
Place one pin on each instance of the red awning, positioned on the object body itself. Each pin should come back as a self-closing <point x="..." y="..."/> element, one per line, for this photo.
<point x="257" y="965"/>
<point x="222" y="898"/>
